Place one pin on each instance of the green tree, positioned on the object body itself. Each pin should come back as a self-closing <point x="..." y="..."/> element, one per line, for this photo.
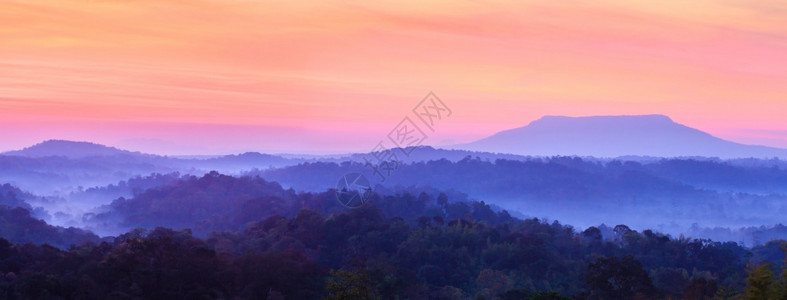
<point x="760" y="284"/>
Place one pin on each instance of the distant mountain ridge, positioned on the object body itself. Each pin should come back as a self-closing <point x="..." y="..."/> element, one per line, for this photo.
<point x="615" y="136"/>
<point x="60" y="166"/>
<point x="70" y="149"/>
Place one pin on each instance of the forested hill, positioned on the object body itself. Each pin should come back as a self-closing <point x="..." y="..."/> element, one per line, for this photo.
<point x="250" y="238"/>
<point x="671" y="195"/>
<point x="221" y="202"/>
<point x="18" y="226"/>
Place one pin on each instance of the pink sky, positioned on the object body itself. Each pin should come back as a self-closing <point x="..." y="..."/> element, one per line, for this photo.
<point x="208" y="76"/>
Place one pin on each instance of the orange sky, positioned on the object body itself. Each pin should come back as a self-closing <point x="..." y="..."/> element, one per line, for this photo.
<point x="212" y="76"/>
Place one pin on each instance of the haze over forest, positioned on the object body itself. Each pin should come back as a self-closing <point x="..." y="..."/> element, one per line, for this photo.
<point x="66" y="193"/>
<point x="644" y="171"/>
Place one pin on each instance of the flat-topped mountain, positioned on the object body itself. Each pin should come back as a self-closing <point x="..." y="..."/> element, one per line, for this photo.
<point x="613" y="136"/>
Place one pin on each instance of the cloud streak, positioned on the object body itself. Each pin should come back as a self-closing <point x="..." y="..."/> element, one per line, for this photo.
<point x="322" y="66"/>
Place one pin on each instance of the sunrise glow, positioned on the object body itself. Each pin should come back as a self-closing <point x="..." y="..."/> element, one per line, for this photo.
<point x="208" y="76"/>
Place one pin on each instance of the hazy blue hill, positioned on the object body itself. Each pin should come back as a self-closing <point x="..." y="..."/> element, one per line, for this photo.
<point x="587" y="191"/>
<point x="52" y="175"/>
<point x="68" y="149"/>
<point x="13" y="197"/>
<point x="239" y="162"/>
<point x="427" y="153"/>
<point x="18" y="226"/>
<point x="220" y="202"/>
<point x="614" y="136"/>
<point x="669" y="194"/>
<point x="62" y="167"/>
<point x="211" y="202"/>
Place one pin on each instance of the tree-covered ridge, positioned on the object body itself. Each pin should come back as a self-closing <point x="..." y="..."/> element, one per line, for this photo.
<point x="220" y="202"/>
<point x="203" y="204"/>
<point x="675" y="193"/>
<point x="760" y="176"/>
<point x="374" y="253"/>
<point x="249" y="238"/>
<point x="18" y="226"/>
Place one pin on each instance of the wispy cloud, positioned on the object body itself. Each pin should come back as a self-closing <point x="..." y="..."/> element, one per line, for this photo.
<point x="708" y="64"/>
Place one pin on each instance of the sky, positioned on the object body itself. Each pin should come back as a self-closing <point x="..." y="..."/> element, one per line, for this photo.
<point x="216" y="77"/>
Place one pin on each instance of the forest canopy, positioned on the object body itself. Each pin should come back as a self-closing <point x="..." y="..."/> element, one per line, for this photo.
<point x="250" y="238"/>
